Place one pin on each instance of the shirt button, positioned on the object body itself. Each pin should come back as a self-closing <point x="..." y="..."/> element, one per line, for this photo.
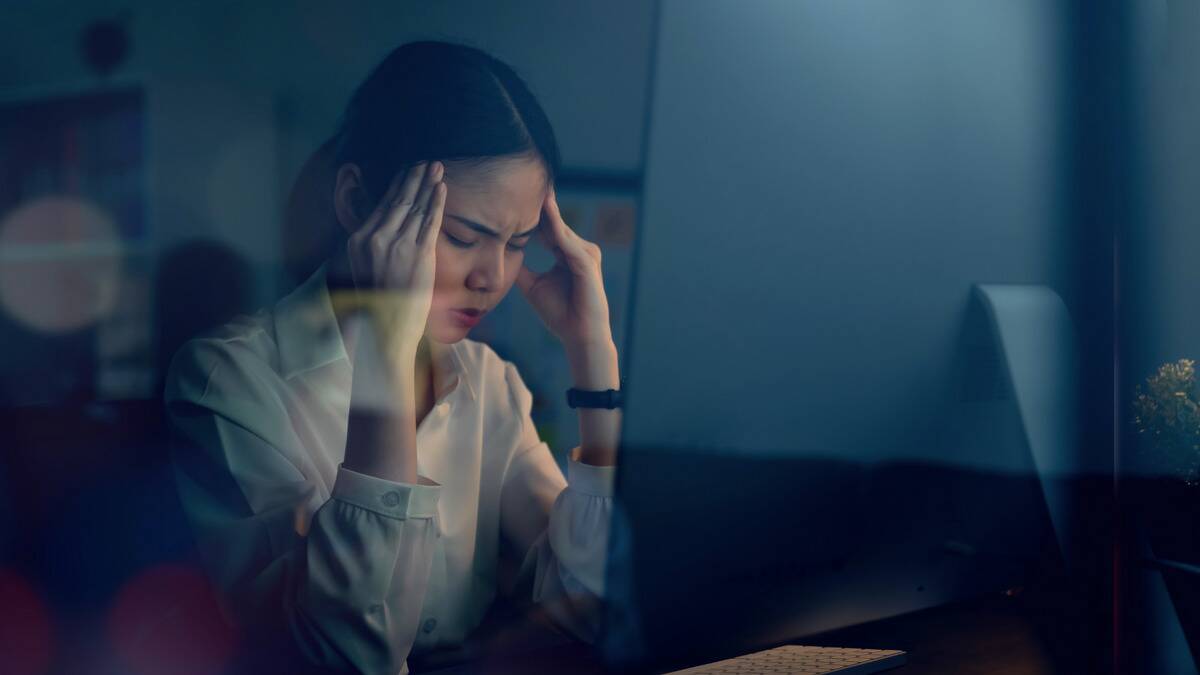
<point x="391" y="498"/>
<point x="430" y="624"/>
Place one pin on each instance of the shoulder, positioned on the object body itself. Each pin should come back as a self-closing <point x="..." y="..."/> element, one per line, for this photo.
<point x="238" y="359"/>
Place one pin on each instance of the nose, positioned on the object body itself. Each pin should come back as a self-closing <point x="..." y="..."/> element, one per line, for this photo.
<point x="488" y="271"/>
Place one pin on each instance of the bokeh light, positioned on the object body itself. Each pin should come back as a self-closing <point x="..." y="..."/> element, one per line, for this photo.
<point x="60" y="264"/>
<point x="25" y="628"/>
<point x="166" y="620"/>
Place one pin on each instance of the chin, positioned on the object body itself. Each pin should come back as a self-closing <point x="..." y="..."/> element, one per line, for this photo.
<point x="447" y="335"/>
<point x="448" y="339"/>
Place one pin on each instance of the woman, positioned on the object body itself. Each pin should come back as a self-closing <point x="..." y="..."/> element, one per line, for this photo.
<point x="354" y="468"/>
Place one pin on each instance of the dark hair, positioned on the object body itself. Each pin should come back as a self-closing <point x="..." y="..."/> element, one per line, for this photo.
<point x="441" y="101"/>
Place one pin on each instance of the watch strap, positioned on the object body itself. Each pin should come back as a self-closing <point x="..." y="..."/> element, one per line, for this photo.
<point x="607" y="399"/>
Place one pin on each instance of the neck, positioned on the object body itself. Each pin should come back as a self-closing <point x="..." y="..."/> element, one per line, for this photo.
<point x="425" y="376"/>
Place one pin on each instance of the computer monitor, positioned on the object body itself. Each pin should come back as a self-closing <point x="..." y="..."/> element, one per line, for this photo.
<point x="718" y="552"/>
<point x="821" y="428"/>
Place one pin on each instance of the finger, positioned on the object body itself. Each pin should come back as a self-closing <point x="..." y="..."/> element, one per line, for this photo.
<point x="526" y="278"/>
<point x="411" y="229"/>
<point x="552" y="242"/>
<point x="568" y="248"/>
<point x="576" y="257"/>
<point x="552" y="204"/>
<point x="433" y="223"/>
<point x="401" y="203"/>
<point x="590" y="249"/>
<point x="555" y="214"/>
<point x="551" y="233"/>
<point x="545" y="234"/>
<point x="560" y="231"/>
<point x="378" y="214"/>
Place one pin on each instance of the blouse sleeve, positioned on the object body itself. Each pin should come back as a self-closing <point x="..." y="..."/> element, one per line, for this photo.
<point x="562" y="525"/>
<point x="349" y="585"/>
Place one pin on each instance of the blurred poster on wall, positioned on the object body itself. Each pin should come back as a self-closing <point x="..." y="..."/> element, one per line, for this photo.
<point x="74" y="314"/>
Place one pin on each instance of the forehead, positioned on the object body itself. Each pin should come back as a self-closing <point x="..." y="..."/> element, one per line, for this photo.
<point x="505" y="195"/>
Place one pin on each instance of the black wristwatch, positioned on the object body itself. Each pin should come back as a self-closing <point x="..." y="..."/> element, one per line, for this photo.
<point x="608" y="399"/>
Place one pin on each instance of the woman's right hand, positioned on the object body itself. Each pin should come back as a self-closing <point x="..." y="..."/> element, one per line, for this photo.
<point x="392" y="259"/>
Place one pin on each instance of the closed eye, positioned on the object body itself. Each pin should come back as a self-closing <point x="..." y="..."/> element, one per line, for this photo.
<point x="462" y="243"/>
<point x="456" y="241"/>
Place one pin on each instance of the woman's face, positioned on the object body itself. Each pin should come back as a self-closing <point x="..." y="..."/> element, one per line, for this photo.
<point x="490" y="216"/>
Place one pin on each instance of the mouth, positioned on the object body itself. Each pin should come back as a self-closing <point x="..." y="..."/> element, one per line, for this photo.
<point x="467" y="316"/>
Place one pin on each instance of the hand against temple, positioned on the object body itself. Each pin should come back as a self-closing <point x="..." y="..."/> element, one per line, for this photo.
<point x="392" y="259"/>
<point x="570" y="297"/>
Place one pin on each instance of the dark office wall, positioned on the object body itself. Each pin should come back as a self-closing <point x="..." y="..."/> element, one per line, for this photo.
<point x="239" y="94"/>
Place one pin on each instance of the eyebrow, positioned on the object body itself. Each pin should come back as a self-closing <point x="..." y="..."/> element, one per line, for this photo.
<point x="483" y="229"/>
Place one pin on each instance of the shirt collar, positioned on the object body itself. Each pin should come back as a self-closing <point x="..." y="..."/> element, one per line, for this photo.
<point x="454" y="371"/>
<point x="308" y="337"/>
<point x="306" y="330"/>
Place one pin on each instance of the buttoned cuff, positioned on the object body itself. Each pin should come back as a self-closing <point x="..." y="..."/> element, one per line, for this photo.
<point x="589" y="479"/>
<point x="385" y="497"/>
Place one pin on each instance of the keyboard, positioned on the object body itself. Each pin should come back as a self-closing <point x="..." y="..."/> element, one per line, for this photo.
<point x="803" y="660"/>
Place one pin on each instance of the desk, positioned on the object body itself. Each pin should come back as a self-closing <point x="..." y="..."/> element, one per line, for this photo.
<point x="991" y="635"/>
<point x="985" y="637"/>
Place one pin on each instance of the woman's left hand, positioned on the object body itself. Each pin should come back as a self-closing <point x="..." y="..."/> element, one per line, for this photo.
<point x="569" y="297"/>
<point x="570" y="300"/>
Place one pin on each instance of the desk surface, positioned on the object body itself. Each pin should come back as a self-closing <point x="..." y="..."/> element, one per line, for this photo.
<point x="977" y="638"/>
<point x="997" y="635"/>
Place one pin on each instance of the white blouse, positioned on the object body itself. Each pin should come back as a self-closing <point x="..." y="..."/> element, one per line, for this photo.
<point x="364" y="571"/>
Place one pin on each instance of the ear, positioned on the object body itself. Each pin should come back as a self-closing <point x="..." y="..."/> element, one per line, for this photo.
<point x="350" y="202"/>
